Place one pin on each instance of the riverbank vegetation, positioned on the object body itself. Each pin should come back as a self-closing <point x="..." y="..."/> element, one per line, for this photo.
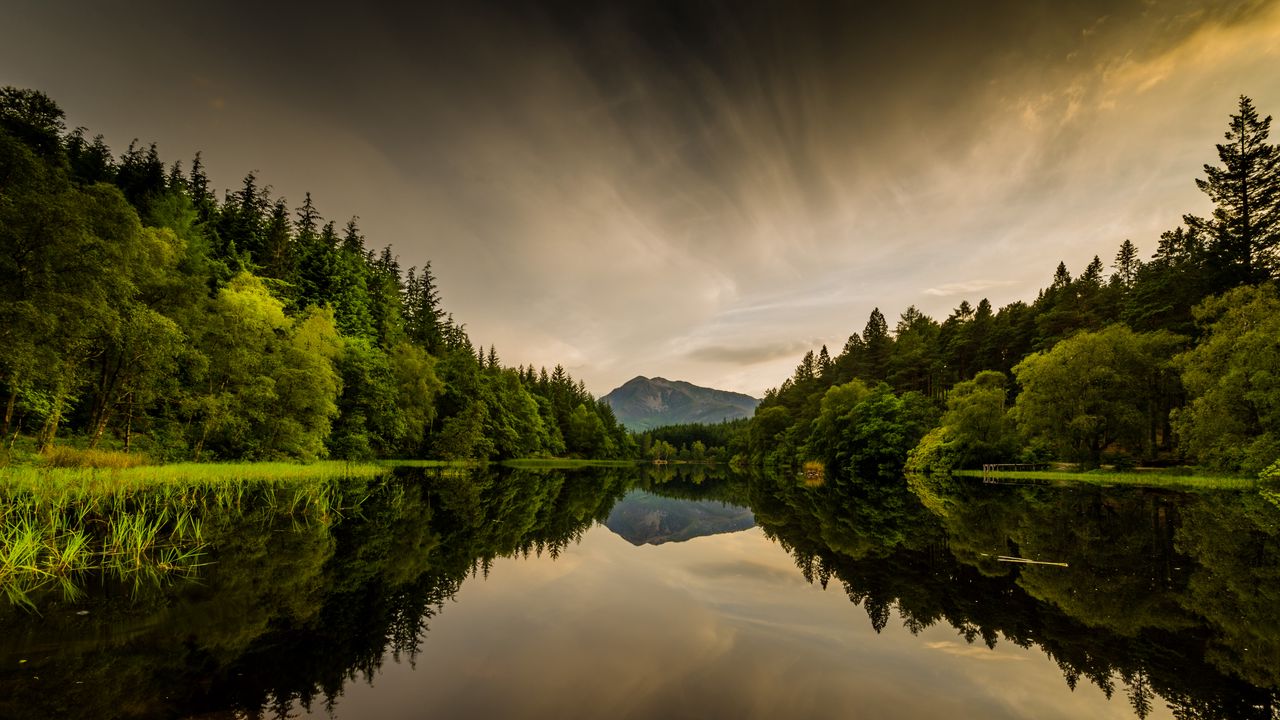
<point x="1159" y="478"/>
<point x="141" y="312"/>
<point x="143" y="524"/>
<point x="1169" y="361"/>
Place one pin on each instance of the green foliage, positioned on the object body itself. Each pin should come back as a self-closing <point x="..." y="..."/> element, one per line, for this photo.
<point x="868" y="432"/>
<point x="139" y="310"/>
<point x="417" y="386"/>
<point x="977" y="413"/>
<point x="1096" y="389"/>
<point x="695" y="442"/>
<point x="768" y="441"/>
<point x="369" y="420"/>
<point x="1232" y="376"/>
<point x="835" y="419"/>
<point x="975" y="429"/>
<point x="937" y="452"/>
<point x="1271" y="473"/>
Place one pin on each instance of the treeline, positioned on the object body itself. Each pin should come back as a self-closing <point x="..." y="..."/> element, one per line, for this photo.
<point x="1171" y="359"/>
<point x="139" y="310"/>
<point x="693" y="442"/>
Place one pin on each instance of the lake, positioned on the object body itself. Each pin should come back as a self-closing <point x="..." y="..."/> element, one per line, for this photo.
<point x="677" y="592"/>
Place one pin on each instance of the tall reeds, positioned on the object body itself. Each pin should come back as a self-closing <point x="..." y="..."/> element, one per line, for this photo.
<point x="61" y="526"/>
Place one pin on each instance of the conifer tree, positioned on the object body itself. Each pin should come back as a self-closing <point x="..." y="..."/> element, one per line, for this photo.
<point x="1127" y="265"/>
<point x="824" y="362"/>
<point x="1244" y="230"/>
<point x="879" y="344"/>
<point x="90" y="162"/>
<point x="424" y="323"/>
<point x="277" y="251"/>
<point x="198" y="187"/>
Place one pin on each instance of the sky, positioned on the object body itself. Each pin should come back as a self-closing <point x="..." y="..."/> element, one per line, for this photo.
<point x="682" y="188"/>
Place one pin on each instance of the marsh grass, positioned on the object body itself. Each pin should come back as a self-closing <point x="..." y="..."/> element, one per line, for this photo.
<point x="69" y="457"/>
<point x="1175" y="479"/>
<point x="144" y="524"/>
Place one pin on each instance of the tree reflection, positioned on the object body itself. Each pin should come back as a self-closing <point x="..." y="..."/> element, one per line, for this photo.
<point x="1163" y="594"/>
<point x="1163" y="598"/>
<point x="290" y="613"/>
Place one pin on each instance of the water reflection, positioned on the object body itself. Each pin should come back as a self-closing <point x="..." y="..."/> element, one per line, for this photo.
<point x="643" y="518"/>
<point x="1163" y="595"/>
<point x="1163" y="603"/>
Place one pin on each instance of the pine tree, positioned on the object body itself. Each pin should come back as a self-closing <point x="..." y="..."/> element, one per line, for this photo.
<point x="243" y="217"/>
<point x="308" y="219"/>
<point x="141" y="176"/>
<point x="807" y="369"/>
<point x="1093" y="272"/>
<point x="198" y="187"/>
<point x="879" y="345"/>
<point x="423" y="315"/>
<point x="90" y="163"/>
<point x="277" y="254"/>
<point x="824" y="362"/>
<point x="1061" y="278"/>
<point x="352" y="240"/>
<point x="1244" y="230"/>
<point x="1127" y="265"/>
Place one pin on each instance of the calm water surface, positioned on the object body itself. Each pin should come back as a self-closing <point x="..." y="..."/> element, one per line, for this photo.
<point x="684" y="594"/>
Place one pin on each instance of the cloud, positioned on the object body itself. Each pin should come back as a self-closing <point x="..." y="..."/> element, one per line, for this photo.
<point x="748" y="355"/>
<point x="969" y="286"/>
<point x="693" y="190"/>
<point x="973" y="652"/>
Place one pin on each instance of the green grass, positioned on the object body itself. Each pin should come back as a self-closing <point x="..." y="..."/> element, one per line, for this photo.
<point x="145" y="523"/>
<point x="564" y="463"/>
<point x="1146" y="478"/>
<point x="64" y="456"/>
<point x="107" y="480"/>
<point x="454" y="464"/>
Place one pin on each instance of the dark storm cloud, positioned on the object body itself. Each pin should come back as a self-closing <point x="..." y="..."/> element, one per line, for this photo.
<point x="656" y="187"/>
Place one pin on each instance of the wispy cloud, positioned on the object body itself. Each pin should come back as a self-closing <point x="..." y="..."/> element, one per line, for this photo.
<point x="973" y="652"/>
<point x="748" y="355"/>
<point x="969" y="286"/>
<point x="694" y="194"/>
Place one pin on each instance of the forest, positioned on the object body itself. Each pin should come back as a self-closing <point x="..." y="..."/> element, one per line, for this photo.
<point x="1170" y="360"/>
<point x="142" y="313"/>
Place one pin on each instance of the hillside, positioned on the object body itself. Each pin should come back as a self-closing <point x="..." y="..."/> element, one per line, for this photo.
<point x="643" y="403"/>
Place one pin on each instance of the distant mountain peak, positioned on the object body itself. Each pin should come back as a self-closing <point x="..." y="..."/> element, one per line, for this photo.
<point x="642" y="403"/>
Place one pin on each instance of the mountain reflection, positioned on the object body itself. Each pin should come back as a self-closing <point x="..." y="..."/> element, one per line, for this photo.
<point x="643" y="518"/>
<point x="1160" y="598"/>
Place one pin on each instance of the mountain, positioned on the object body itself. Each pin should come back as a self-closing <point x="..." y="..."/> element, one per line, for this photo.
<point x="642" y="518"/>
<point x="642" y="403"/>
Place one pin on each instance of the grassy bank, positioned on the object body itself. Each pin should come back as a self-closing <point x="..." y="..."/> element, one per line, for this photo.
<point x="1142" y="478"/>
<point x="564" y="463"/>
<point x="148" y="522"/>
<point x="143" y="523"/>
<point x="141" y="476"/>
